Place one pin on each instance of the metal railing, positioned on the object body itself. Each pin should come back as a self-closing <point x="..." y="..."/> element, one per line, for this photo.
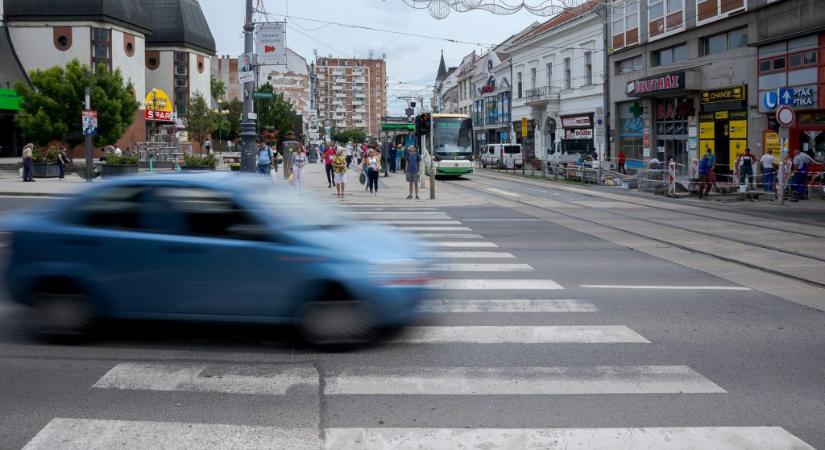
<point x="542" y="94"/>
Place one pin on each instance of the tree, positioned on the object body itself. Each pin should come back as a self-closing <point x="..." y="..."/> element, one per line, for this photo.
<point x="355" y="135"/>
<point x="218" y="88"/>
<point x="199" y="118"/>
<point x="51" y="107"/>
<point x="275" y="114"/>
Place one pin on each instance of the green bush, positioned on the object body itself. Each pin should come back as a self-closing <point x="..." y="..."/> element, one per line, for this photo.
<point x="45" y="156"/>
<point x="235" y="167"/>
<point x="199" y="161"/>
<point x="126" y="159"/>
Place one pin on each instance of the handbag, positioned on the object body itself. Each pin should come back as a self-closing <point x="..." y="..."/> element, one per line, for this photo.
<point x="291" y="179"/>
<point x="362" y="178"/>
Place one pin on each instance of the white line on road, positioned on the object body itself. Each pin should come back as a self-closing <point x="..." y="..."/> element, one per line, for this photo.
<point x="416" y="222"/>
<point x="502" y="192"/>
<point x="677" y="288"/>
<point x="412" y="217"/>
<point x="505" y="306"/>
<point x="501" y="220"/>
<point x="479" y="267"/>
<point x="660" y="438"/>
<point x="434" y="228"/>
<point x="234" y="379"/>
<point x="471" y="255"/>
<point x="495" y="284"/>
<point x="548" y="334"/>
<point x="596" y="380"/>
<point x="104" y="434"/>
<point x="458" y="244"/>
<point x="450" y="236"/>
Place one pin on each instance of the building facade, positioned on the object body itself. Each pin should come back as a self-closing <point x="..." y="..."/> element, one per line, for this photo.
<point x="492" y="99"/>
<point x="558" y="81"/>
<point x="464" y="78"/>
<point x="225" y="69"/>
<point x="294" y="82"/>
<point x="351" y="93"/>
<point x="446" y="81"/>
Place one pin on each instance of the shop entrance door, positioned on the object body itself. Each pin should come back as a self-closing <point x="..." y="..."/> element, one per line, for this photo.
<point x="722" y="145"/>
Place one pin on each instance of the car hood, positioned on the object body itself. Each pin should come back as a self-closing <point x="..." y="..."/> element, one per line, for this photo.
<point x="366" y="242"/>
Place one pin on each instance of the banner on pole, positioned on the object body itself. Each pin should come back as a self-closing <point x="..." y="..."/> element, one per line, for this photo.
<point x="271" y="43"/>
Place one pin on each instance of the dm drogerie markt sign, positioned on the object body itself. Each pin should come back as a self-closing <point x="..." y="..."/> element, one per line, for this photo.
<point x="158" y="106"/>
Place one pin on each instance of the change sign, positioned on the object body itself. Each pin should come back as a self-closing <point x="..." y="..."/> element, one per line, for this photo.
<point x="271" y="43"/>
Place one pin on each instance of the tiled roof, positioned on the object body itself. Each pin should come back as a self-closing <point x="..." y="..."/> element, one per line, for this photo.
<point x="562" y="18"/>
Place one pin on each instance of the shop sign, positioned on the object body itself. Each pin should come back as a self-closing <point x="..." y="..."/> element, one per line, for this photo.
<point x="579" y="133"/>
<point x="805" y="97"/>
<point x="158" y="106"/>
<point x="735" y="93"/>
<point x="576" y="122"/>
<point x="9" y="100"/>
<point x="666" y="82"/>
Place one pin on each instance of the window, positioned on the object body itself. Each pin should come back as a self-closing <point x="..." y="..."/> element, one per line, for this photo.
<point x="518" y="84"/>
<point x="588" y="68"/>
<point x="669" y="55"/>
<point x="533" y="78"/>
<point x="101" y="48"/>
<point x="549" y="69"/>
<point x="199" y="212"/>
<point x="629" y="65"/>
<point x="664" y="16"/>
<point x="724" y="41"/>
<point x="709" y="10"/>
<point x="567" y="78"/>
<point x="116" y="208"/>
<point x="624" y="23"/>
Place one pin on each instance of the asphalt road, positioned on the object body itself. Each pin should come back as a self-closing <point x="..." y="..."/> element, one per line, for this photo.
<point x="696" y="362"/>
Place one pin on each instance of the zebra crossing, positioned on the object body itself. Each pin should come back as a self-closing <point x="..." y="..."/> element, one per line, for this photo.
<point x="454" y="248"/>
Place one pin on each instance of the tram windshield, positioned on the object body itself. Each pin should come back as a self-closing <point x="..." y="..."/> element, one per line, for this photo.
<point x="453" y="137"/>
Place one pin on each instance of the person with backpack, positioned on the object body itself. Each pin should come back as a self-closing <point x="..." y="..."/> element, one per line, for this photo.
<point x="746" y="169"/>
<point x="264" y="158"/>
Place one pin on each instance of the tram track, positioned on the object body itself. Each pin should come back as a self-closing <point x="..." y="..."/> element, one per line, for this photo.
<point x="654" y="222"/>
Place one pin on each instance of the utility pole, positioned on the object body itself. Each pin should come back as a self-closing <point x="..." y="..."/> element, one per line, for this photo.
<point x="248" y="126"/>
<point x="89" y="159"/>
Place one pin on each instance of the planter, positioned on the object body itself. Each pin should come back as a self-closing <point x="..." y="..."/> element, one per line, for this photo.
<point x="118" y="170"/>
<point x="197" y="167"/>
<point x="46" y="170"/>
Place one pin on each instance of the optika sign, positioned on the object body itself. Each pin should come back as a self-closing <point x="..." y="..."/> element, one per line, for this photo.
<point x="668" y="82"/>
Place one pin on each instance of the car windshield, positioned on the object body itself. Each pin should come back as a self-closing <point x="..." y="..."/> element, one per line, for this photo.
<point x="293" y="211"/>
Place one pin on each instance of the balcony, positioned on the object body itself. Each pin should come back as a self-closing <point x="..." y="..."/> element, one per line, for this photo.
<point x="542" y="95"/>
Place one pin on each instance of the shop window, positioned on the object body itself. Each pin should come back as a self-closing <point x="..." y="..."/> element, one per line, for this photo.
<point x="669" y="55"/>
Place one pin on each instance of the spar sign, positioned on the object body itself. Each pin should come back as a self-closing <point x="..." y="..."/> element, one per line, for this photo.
<point x="271" y="43"/>
<point x="158" y="106"/>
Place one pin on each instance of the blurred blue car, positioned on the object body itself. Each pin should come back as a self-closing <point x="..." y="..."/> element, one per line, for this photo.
<point x="211" y="247"/>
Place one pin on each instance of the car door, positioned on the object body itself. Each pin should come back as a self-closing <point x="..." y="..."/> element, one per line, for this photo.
<point x="221" y="260"/>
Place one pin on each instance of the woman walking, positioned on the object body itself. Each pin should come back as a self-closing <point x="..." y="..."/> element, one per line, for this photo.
<point x="299" y="160"/>
<point x="339" y="165"/>
<point x="373" y="169"/>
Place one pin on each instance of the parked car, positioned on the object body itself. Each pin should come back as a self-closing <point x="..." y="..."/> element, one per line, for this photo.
<point x="502" y="156"/>
<point x="211" y="247"/>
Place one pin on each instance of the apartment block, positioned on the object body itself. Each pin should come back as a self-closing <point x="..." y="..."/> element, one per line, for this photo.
<point x="351" y="93"/>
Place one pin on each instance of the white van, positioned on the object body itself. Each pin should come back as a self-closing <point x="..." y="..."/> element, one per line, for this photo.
<point x="500" y="156"/>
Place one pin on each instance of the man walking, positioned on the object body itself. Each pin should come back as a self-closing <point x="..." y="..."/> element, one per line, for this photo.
<point x="393" y="156"/>
<point x="620" y="160"/>
<point x="264" y="158"/>
<point x="704" y="176"/>
<point x="800" y="178"/>
<point x="348" y="153"/>
<point x="767" y="162"/>
<point x="28" y="163"/>
<point x="413" y="171"/>
<point x="329" y="153"/>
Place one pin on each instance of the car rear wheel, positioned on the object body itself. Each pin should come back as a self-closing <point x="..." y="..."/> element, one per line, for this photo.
<point x="337" y="322"/>
<point x="64" y="314"/>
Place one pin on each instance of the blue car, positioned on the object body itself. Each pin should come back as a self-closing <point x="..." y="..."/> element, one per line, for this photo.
<point x="211" y="247"/>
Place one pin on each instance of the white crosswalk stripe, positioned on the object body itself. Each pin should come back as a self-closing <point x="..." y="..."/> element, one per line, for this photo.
<point x="505" y="306"/>
<point x="432" y="228"/>
<point x="414" y="222"/>
<point x="487" y="284"/>
<point x="234" y="379"/>
<point x="548" y="334"/>
<point x="458" y="244"/>
<point x="449" y="236"/>
<point x="471" y="255"/>
<point x="461" y="267"/>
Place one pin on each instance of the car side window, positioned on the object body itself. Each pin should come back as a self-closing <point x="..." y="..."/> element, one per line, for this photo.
<point x="117" y="207"/>
<point x="199" y="212"/>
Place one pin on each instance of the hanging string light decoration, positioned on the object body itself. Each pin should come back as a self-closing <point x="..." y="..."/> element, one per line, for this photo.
<point x="440" y="9"/>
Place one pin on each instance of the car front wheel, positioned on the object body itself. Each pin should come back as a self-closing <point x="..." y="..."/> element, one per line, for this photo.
<point x="337" y="322"/>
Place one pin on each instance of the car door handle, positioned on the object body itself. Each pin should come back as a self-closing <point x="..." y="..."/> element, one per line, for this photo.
<point x="183" y="249"/>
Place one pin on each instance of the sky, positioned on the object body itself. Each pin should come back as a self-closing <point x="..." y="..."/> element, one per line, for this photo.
<point x="412" y="62"/>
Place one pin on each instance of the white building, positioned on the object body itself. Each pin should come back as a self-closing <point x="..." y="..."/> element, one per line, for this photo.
<point x="558" y="80"/>
<point x="466" y="70"/>
<point x="293" y="81"/>
<point x="446" y="81"/>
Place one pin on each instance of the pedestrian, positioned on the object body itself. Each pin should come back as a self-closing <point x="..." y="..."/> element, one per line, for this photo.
<point x="329" y="154"/>
<point x="207" y="145"/>
<point x="118" y="151"/>
<point x="767" y="161"/>
<point x="800" y="178"/>
<point x="62" y="160"/>
<point x="746" y="169"/>
<point x="704" y="172"/>
<point x="339" y="165"/>
<point x="264" y="158"/>
<point x="620" y="160"/>
<point x="413" y="171"/>
<point x="274" y="153"/>
<point x="373" y="164"/>
<point x="299" y="160"/>
<point x="393" y="156"/>
<point x="348" y="153"/>
<point x="28" y="163"/>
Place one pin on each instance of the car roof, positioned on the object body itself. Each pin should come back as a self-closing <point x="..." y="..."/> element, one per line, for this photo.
<point x="228" y="181"/>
